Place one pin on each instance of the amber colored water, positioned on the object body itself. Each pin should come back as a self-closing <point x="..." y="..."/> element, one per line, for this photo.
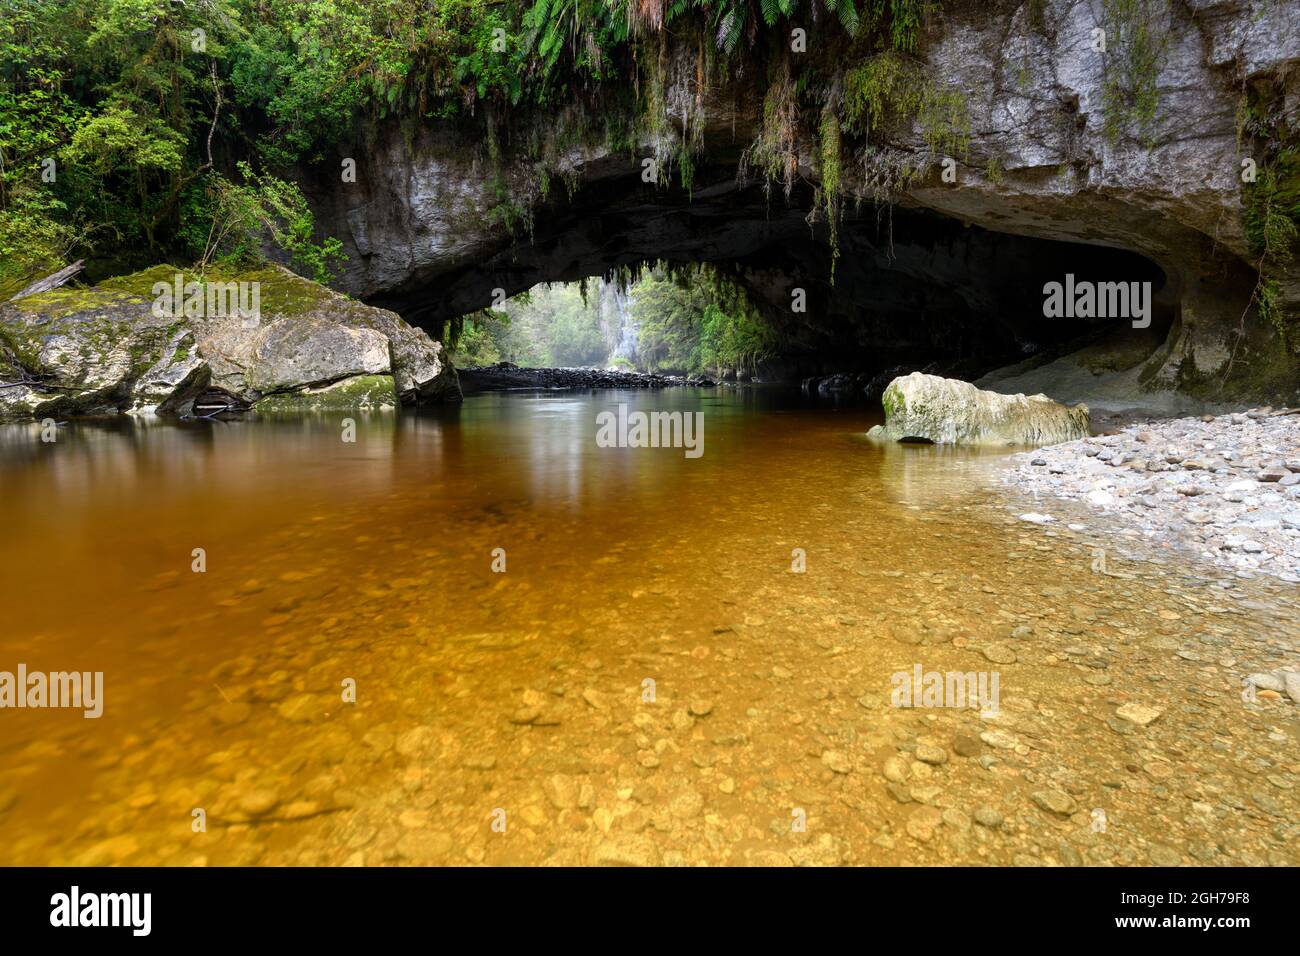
<point x="506" y="718"/>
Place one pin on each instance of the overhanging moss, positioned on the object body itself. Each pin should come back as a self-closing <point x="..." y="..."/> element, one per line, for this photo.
<point x="890" y="88"/>
<point x="1136" y="47"/>
<point x="1271" y="203"/>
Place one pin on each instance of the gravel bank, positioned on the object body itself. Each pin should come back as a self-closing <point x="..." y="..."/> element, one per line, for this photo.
<point x="504" y="375"/>
<point x="1227" y="486"/>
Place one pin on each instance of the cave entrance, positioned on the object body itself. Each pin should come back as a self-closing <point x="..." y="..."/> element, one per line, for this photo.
<point x="891" y="288"/>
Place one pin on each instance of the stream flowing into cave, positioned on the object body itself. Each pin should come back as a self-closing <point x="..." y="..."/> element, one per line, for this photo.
<point x="474" y="636"/>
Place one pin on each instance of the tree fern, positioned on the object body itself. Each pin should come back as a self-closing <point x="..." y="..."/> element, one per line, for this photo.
<point x="847" y="12"/>
<point x="731" y="25"/>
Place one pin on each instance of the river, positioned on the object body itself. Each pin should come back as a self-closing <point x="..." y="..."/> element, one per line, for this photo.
<point x="472" y="635"/>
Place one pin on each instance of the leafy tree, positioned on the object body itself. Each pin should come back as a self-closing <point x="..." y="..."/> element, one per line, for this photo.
<point x="143" y="104"/>
<point x="693" y="319"/>
<point x="228" y="222"/>
<point x="555" y="326"/>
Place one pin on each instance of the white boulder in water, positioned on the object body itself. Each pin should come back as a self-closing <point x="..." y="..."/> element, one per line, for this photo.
<point x="949" y="412"/>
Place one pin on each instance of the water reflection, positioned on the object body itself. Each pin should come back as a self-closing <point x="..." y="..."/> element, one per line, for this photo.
<point x="372" y="561"/>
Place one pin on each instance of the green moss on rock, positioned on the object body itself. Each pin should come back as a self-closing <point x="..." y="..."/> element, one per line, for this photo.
<point x="73" y="299"/>
<point x="282" y="292"/>
<point x="893" y="401"/>
<point x="950" y="411"/>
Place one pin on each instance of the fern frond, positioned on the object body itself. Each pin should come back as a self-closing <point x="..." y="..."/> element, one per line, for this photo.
<point x="847" y="11"/>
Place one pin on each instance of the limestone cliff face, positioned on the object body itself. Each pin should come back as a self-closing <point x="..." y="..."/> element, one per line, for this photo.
<point x="1063" y="147"/>
<point x="1173" y="191"/>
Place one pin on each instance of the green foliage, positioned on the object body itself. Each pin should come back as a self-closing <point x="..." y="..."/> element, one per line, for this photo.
<point x="904" y="19"/>
<point x="283" y="212"/>
<point x="891" y="87"/>
<point x="1270" y="310"/>
<point x="33" y="240"/>
<point x="121" y="170"/>
<point x="1272" y="213"/>
<point x="481" y="340"/>
<point x="126" y="96"/>
<point x="1272" y="218"/>
<point x="734" y="338"/>
<point x="675" y="138"/>
<point x="37" y="117"/>
<point x="898" y="22"/>
<point x="506" y="210"/>
<point x="307" y="68"/>
<point x="148" y="105"/>
<point x="692" y="319"/>
<point x="775" y="152"/>
<point x="226" y="223"/>
<point x="689" y="319"/>
<point x="549" y="326"/>
<point x="1136" y="48"/>
<point x="574" y="37"/>
<point x="829" y="193"/>
<point x="1271" y="204"/>
<point x="572" y="334"/>
<point x="846" y="11"/>
<point x="118" y="141"/>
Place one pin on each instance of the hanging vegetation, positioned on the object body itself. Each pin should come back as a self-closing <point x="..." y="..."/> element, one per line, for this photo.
<point x="124" y="123"/>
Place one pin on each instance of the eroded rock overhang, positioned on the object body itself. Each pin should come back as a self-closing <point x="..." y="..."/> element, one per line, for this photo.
<point x="430" y="234"/>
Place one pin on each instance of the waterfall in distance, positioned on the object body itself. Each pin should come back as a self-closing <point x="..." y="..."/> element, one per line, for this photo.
<point x="621" y="330"/>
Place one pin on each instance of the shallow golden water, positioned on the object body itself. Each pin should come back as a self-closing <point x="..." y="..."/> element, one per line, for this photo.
<point x="503" y="718"/>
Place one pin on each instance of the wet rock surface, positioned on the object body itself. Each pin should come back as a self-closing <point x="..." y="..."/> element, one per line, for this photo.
<point x="63" y="353"/>
<point x="291" y="353"/>
<point x="872" y="384"/>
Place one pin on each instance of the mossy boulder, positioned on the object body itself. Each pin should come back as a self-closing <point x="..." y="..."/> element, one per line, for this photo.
<point x="920" y="407"/>
<point x="244" y="364"/>
<point x="82" y="352"/>
<point x="153" y="341"/>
